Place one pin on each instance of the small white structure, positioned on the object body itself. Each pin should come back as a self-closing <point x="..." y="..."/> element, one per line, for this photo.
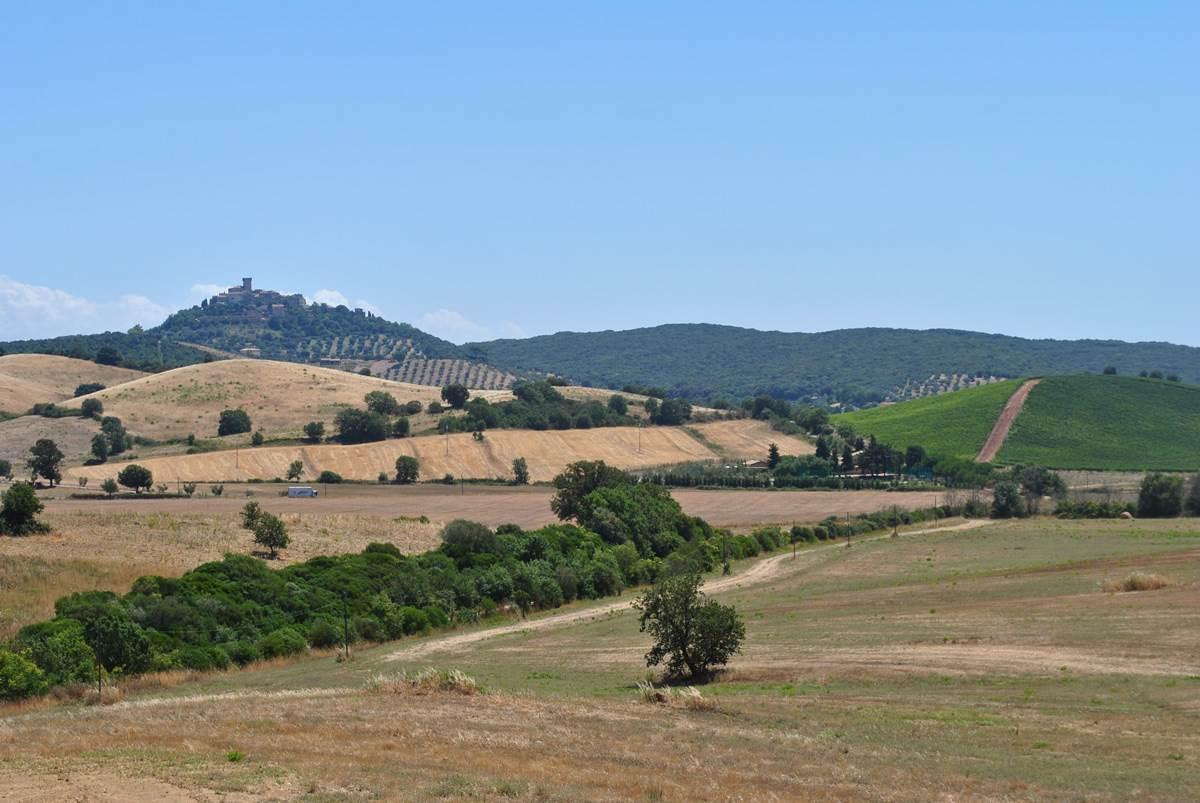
<point x="301" y="491"/>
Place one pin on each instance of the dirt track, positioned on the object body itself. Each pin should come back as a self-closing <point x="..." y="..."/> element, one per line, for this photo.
<point x="1012" y="408"/>
<point x="759" y="572"/>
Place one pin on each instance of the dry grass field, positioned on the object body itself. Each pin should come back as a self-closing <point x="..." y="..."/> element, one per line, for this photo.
<point x="27" y="379"/>
<point x="279" y="396"/>
<point x="109" y="548"/>
<point x="740" y="510"/>
<point x="982" y="664"/>
<point x="546" y="452"/>
<point x="73" y="436"/>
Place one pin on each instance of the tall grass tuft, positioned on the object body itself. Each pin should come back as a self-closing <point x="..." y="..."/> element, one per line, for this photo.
<point x="426" y="681"/>
<point x="1137" y="581"/>
<point x="688" y="697"/>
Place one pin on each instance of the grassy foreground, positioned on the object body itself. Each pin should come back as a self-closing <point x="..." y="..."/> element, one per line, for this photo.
<point x="985" y="664"/>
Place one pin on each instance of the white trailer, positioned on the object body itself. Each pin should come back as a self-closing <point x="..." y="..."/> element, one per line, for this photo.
<point x="301" y="491"/>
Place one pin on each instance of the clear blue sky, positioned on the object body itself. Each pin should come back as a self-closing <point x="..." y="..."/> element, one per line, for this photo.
<point x="491" y="169"/>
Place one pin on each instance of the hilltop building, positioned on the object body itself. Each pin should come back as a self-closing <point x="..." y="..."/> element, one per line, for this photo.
<point x="244" y="294"/>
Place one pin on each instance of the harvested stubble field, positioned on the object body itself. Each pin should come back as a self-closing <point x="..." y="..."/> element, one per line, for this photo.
<point x="546" y="452"/>
<point x="279" y="396"/>
<point x="497" y="504"/>
<point x="108" y="548"/>
<point x="984" y="664"/>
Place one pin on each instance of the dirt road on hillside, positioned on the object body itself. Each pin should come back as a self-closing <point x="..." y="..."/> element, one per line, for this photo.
<point x="758" y="573"/>
<point x="991" y="447"/>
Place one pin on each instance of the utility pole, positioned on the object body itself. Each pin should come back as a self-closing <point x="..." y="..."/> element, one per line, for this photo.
<point x="847" y="531"/>
<point x="895" y="522"/>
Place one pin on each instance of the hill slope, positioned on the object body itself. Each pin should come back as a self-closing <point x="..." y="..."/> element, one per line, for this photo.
<point x="949" y="425"/>
<point x="27" y="379"/>
<point x="704" y="361"/>
<point x="279" y="396"/>
<point x="546" y="452"/>
<point x="1079" y="422"/>
<point x="1108" y="422"/>
<point x="264" y="323"/>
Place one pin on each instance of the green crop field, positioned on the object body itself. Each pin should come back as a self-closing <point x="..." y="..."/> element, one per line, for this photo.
<point x="949" y="425"/>
<point x="1108" y="422"/>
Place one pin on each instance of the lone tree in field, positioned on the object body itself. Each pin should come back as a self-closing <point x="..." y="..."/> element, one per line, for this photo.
<point x="100" y="448"/>
<point x="270" y="532"/>
<point x="382" y="402"/>
<point x="114" y="430"/>
<point x="109" y="486"/>
<point x="520" y="471"/>
<point x="455" y="395"/>
<point x="1161" y="496"/>
<point x="314" y="431"/>
<point x="295" y="470"/>
<point x="233" y="422"/>
<point x="19" y="509"/>
<point x="5" y="470"/>
<point x="1007" y="502"/>
<point x="407" y="470"/>
<point x="360" y="426"/>
<point x="139" y="478"/>
<point x="772" y="456"/>
<point x="45" y="460"/>
<point x="692" y="634"/>
<point x="92" y="408"/>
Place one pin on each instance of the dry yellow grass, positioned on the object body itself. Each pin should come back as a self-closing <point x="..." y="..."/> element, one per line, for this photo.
<point x="279" y="396"/>
<point x="1137" y="581"/>
<point x="27" y="379"/>
<point x="748" y="439"/>
<point x="103" y="550"/>
<point x="547" y="453"/>
<point x="73" y="436"/>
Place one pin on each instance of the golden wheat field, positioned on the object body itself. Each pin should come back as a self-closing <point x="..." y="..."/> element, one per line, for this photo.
<point x="460" y="455"/>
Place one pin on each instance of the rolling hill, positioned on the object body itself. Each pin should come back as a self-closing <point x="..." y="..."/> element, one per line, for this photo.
<point x="856" y="366"/>
<point x="245" y="321"/>
<point x="1069" y="422"/>
<point x="27" y="379"/>
<point x="1108" y="422"/>
<point x="279" y="396"/>
<point x="948" y="425"/>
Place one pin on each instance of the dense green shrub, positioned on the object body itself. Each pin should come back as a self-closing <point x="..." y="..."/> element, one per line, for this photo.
<point x="19" y="506"/>
<point x="1161" y="496"/>
<point x="20" y="677"/>
<point x="233" y="422"/>
<point x="329" y="477"/>
<point x="1068" y="509"/>
<point x="282" y="641"/>
<point x="1007" y="502"/>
